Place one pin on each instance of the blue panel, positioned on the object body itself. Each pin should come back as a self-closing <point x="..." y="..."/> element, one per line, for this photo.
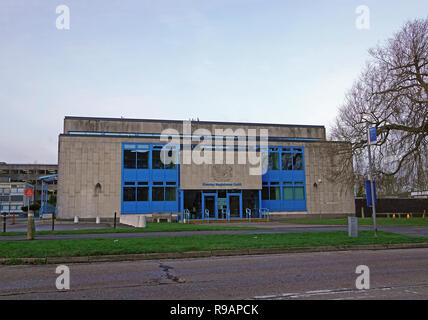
<point x="171" y="175"/>
<point x="158" y="175"/>
<point x="129" y="207"/>
<point x="129" y="175"/>
<point x="142" y="175"/>
<point x="143" y="207"/>
<point x="299" y="205"/>
<point x="299" y="175"/>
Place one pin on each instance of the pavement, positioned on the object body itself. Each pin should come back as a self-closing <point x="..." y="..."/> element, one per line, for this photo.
<point x="264" y="228"/>
<point x="394" y="274"/>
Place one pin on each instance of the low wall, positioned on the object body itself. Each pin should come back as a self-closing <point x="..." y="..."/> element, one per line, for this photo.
<point x="390" y="206"/>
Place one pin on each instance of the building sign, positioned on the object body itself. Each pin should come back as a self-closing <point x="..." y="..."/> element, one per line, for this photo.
<point x="372" y="135"/>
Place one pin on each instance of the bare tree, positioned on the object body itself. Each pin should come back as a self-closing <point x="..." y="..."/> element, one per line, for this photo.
<point x="391" y="94"/>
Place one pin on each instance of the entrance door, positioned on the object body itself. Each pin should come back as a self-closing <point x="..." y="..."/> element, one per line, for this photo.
<point x="209" y="206"/>
<point x="234" y="205"/>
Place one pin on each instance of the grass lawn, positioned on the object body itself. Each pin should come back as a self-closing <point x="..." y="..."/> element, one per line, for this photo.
<point x="151" y="227"/>
<point x="366" y="221"/>
<point x="84" y="247"/>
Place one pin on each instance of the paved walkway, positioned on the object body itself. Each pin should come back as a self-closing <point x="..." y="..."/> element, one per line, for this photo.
<point x="266" y="228"/>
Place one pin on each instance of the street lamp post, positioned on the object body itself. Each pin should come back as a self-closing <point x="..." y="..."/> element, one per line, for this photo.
<point x="371" y="132"/>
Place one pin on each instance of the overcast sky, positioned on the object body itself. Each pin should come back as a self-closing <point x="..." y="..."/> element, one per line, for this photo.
<point x="227" y="60"/>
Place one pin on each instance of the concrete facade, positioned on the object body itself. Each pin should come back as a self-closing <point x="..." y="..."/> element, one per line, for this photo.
<point x="90" y="166"/>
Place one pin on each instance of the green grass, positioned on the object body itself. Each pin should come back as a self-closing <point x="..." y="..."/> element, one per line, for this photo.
<point x="151" y="227"/>
<point x="85" y="247"/>
<point x="366" y="221"/>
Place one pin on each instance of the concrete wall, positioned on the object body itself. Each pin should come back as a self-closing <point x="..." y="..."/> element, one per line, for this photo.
<point x="332" y="195"/>
<point x="157" y="126"/>
<point x="84" y="162"/>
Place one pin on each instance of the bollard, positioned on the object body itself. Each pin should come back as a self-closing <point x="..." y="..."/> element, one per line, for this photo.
<point x="97" y="220"/>
<point x="142" y="222"/>
<point x="4" y="222"/>
<point x="352" y="226"/>
<point x="13" y="218"/>
<point x="53" y="222"/>
<point x="115" y="220"/>
<point x="30" y="226"/>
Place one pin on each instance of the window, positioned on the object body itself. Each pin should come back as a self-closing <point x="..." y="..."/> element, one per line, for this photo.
<point x="287" y="161"/>
<point x="129" y="194"/>
<point x="170" y="155"/>
<point x="142" y="194"/>
<point x="157" y="194"/>
<point x="273" y="161"/>
<point x="170" y="194"/>
<point x="299" y="193"/>
<point x="142" y="159"/>
<point x="129" y="159"/>
<point x="156" y="160"/>
<point x="287" y="193"/>
<point x="265" y="193"/>
<point x="17" y="198"/>
<point x="274" y="193"/>
<point x="298" y="161"/>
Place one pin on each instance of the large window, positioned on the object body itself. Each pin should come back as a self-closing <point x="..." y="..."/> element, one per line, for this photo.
<point x="143" y="159"/>
<point x="273" y="159"/>
<point x="156" y="159"/>
<point x="142" y="192"/>
<point x="298" y="161"/>
<point x="287" y="161"/>
<point x="299" y="193"/>
<point x="129" y="194"/>
<point x="271" y="191"/>
<point x="287" y="193"/>
<point x="129" y="159"/>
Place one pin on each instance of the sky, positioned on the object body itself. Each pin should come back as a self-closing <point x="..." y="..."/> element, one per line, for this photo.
<point x="288" y="62"/>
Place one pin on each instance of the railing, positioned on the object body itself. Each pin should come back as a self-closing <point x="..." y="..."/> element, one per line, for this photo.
<point x="264" y="213"/>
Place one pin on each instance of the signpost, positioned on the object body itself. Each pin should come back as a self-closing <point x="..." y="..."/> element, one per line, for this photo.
<point x="371" y="139"/>
<point x="30" y="222"/>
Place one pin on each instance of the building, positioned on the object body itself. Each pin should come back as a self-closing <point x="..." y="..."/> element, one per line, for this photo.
<point x="208" y="170"/>
<point x="29" y="173"/>
<point x="12" y="197"/>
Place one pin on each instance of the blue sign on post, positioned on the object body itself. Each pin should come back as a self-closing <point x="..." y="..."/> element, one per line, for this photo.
<point x="369" y="193"/>
<point x="372" y="135"/>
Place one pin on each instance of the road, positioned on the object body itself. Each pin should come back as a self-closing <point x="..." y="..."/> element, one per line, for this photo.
<point x="394" y="274"/>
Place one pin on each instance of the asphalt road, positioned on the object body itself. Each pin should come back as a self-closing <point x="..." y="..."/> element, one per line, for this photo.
<point x="394" y="274"/>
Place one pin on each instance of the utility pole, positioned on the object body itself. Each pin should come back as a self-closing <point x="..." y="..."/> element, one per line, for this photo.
<point x="370" y="139"/>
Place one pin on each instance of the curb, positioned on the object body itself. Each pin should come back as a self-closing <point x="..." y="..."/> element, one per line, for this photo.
<point x="205" y="254"/>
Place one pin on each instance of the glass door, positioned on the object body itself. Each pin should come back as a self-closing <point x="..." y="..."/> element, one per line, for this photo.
<point x="209" y="206"/>
<point x="234" y="205"/>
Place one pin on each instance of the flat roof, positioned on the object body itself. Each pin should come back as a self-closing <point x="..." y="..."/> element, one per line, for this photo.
<point x="200" y="121"/>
